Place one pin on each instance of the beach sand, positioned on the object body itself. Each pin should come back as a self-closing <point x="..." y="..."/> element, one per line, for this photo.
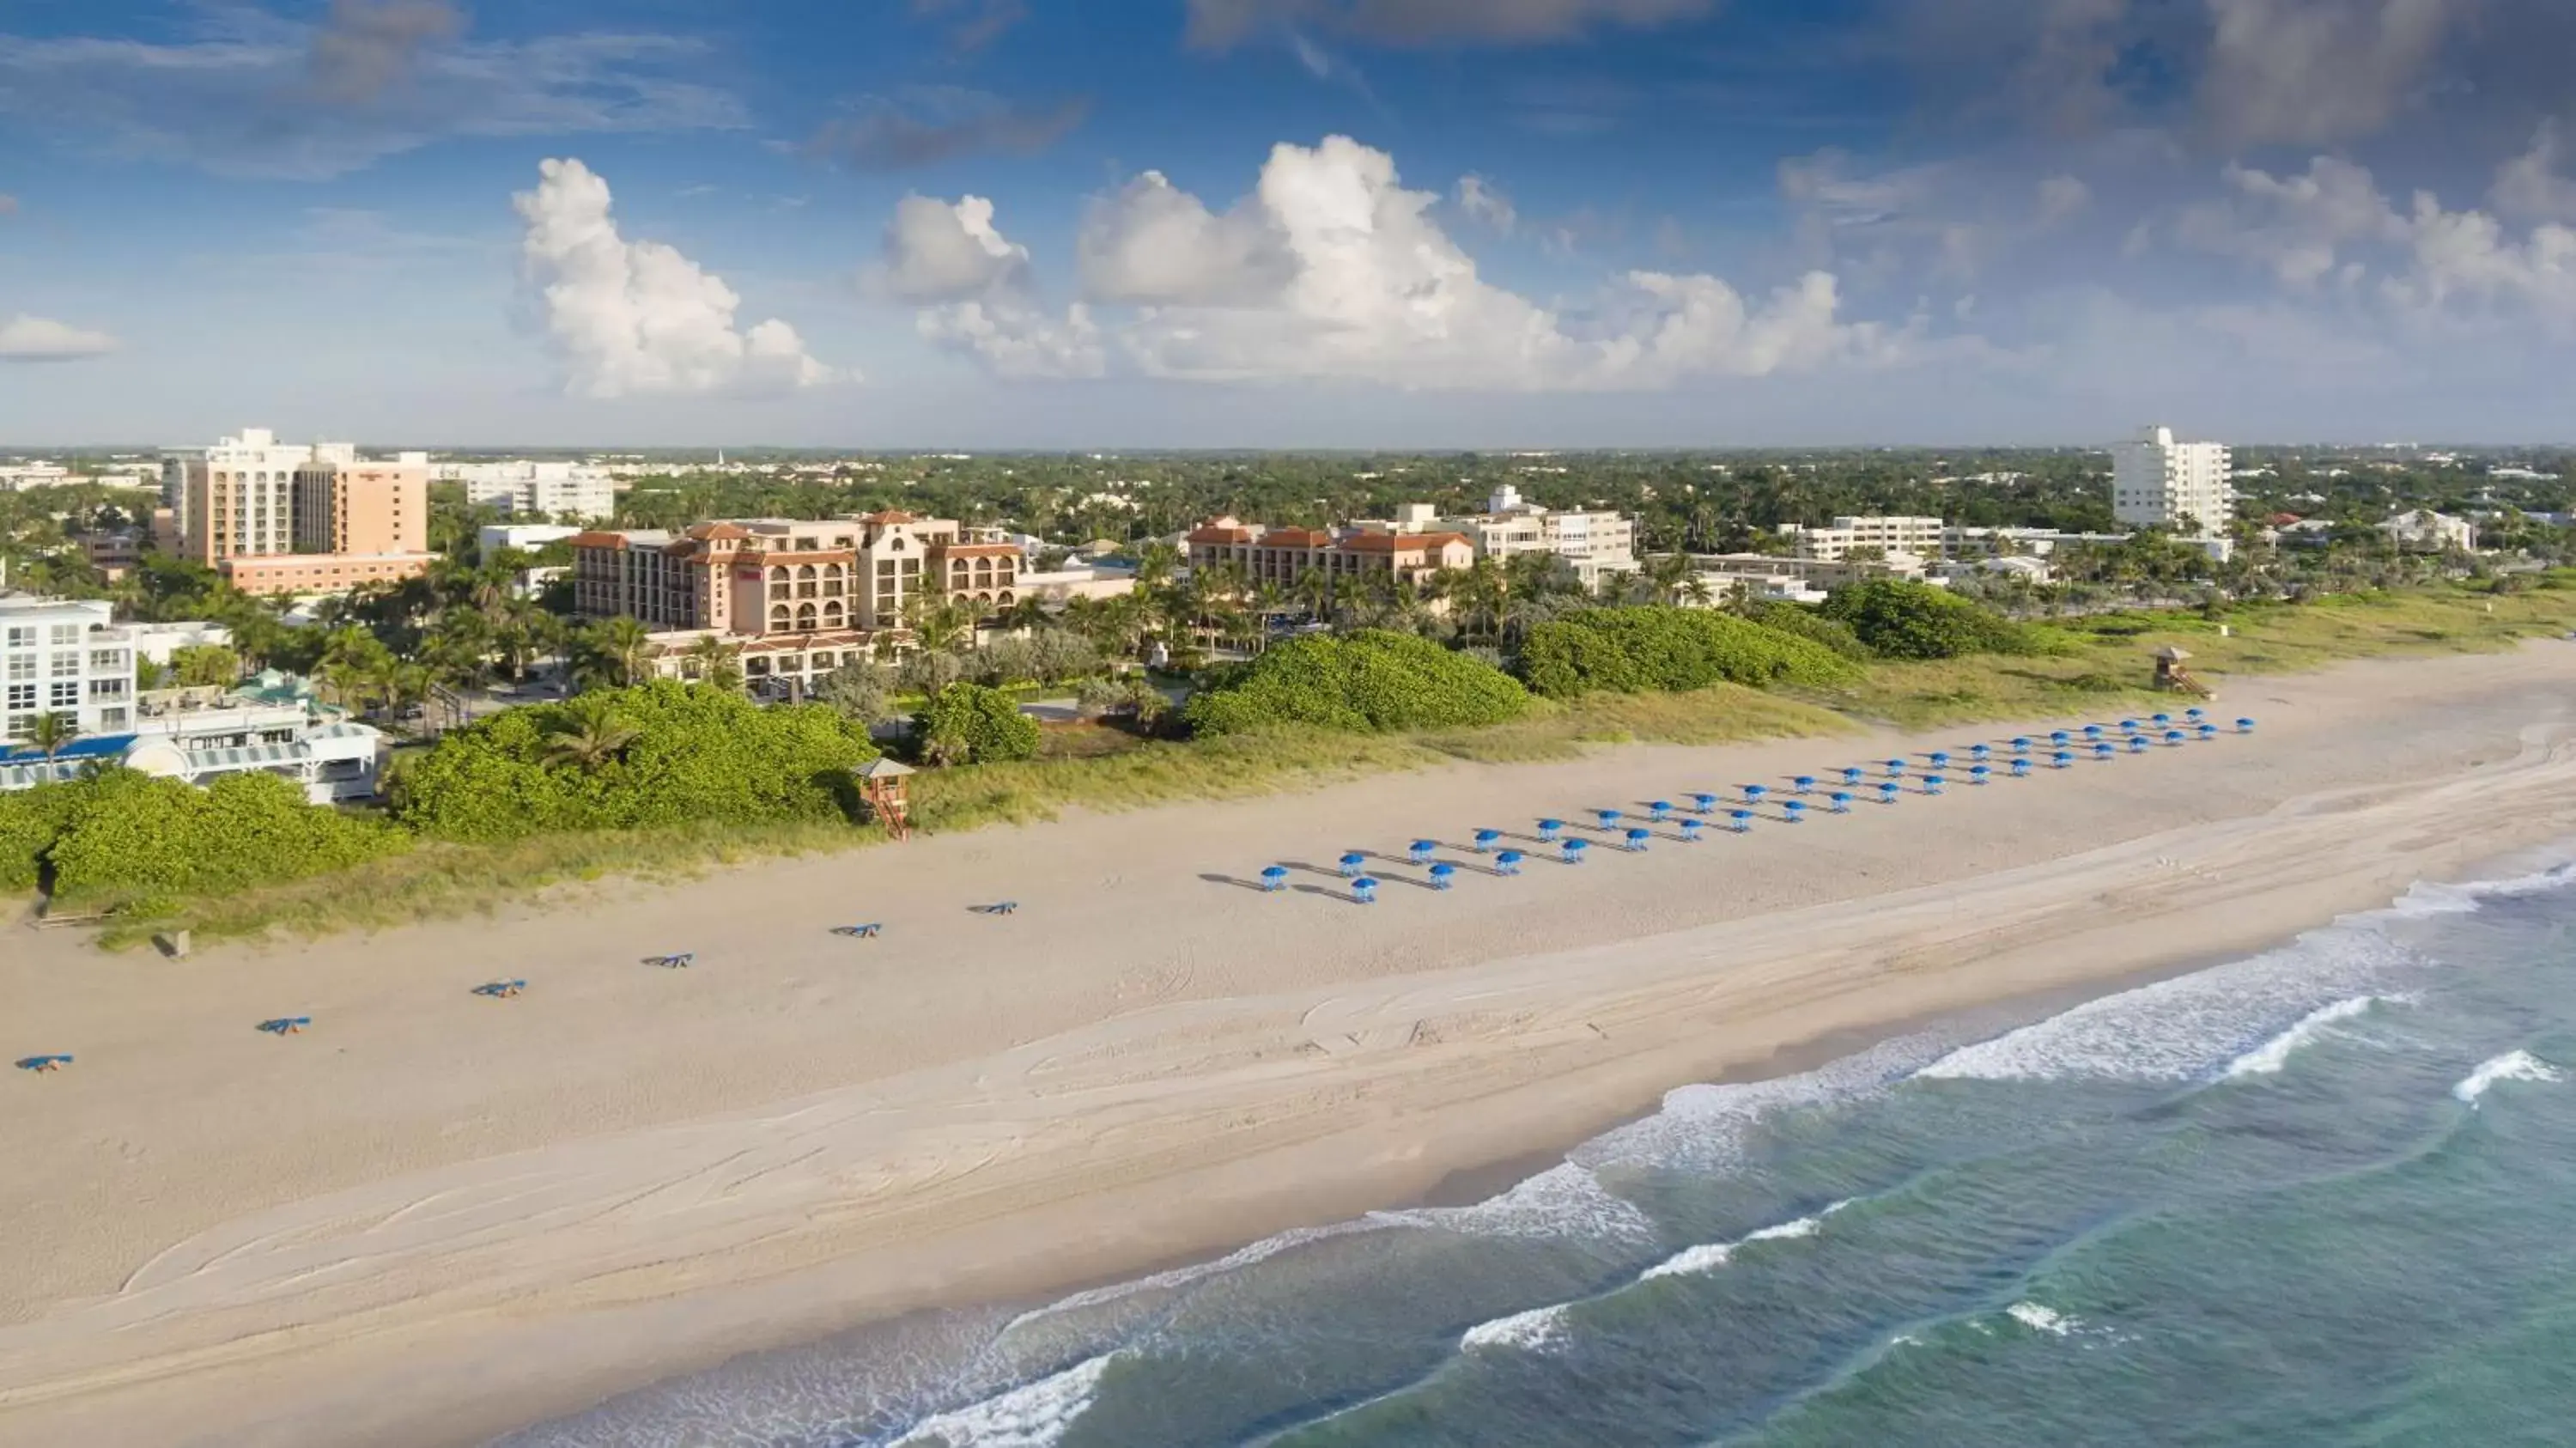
<point x="435" y="1217"/>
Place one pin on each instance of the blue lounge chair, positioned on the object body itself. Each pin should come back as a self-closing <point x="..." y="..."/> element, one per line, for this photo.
<point x="1443" y="876"/>
<point x="286" y="1025"/>
<point x="1274" y="879"/>
<point x="681" y="961"/>
<point x="43" y="1065"/>
<point x="999" y="907"/>
<point x="501" y="989"/>
<point x="871" y="930"/>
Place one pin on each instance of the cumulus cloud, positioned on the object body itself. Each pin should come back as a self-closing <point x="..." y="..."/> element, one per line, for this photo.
<point x="367" y="47"/>
<point x="1481" y="200"/>
<point x="1018" y="339"/>
<point x="236" y="96"/>
<point x="636" y="318"/>
<point x="1333" y="270"/>
<point x="2529" y="186"/>
<point x="2061" y="197"/>
<point x="2297" y="226"/>
<point x="2310" y="72"/>
<point x="939" y="252"/>
<point x="42" y="339"/>
<point x="1219" y="24"/>
<point x="924" y="125"/>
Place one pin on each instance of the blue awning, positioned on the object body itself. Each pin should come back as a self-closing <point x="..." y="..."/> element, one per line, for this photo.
<point x="93" y="746"/>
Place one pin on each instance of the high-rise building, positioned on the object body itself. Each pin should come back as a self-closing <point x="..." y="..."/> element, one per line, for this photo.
<point x="276" y="517"/>
<point x="2157" y="482"/>
<point x="67" y="657"/>
<point x="363" y="506"/>
<point x="237" y="497"/>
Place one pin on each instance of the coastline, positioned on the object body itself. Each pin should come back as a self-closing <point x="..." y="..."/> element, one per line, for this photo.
<point x="1193" y="1081"/>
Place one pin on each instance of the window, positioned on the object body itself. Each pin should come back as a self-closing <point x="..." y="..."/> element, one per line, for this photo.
<point x="22" y="666"/>
<point x="22" y="696"/>
<point x="65" y="666"/>
<point x="66" y="696"/>
<point x="22" y="638"/>
<point x="67" y="635"/>
<point x="107" y="688"/>
<point x="111" y="718"/>
<point x="106" y="661"/>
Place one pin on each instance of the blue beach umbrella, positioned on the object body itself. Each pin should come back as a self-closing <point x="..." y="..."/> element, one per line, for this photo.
<point x="1637" y="840"/>
<point x="2128" y="726"/>
<point x="1980" y="774"/>
<point x="1940" y="759"/>
<point x="2163" y="719"/>
<point x="1755" y="794"/>
<point x="2137" y="744"/>
<point x="1981" y="751"/>
<point x="2208" y="731"/>
<point x="2244" y="726"/>
<point x="1549" y="829"/>
<point x="1660" y="810"/>
<point x="1852" y="775"/>
<point x="1442" y="876"/>
<point x="1421" y="851"/>
<point x="1887" y="792"/>
<point x="1352" y="864"/>
<point x="1896" y="769"/>
<point x="1573" y="851"/>
<point x="1932" y="783"/>
<point x="2021" y="745"/>
<point x="1364" y="890"/>
<point x="2092" y="731"/>
<point x="2104" y="750"/>
<point x="1703" y="803"/>
<point x="2195" y="715"/>
<point x="2021" y="769"/>
<point x="1841" y="802"/>
<point x="1797" y="812"/>
<point x="1691" y="832"/>
<point x="1508" y="862"/>
<point x="1741" y="821"/>
<point x="2059" y="737"/>
<point x="2060" y="760"/>
<point x="1274" y="879"/>
<point x="1486" y="839"/>
<point x="1804" y="784"/>
<point x="1608" y="817"/>
<point x="2173" y="737"/>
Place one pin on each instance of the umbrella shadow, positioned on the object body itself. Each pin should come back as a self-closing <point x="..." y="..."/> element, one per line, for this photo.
<point x="1346" y="897"/>
<point x="1252" y="885"/>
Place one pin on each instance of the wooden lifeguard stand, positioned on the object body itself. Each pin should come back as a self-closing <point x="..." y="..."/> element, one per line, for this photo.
<point x="881" y="785"/>
<point x="2173" y="678"/>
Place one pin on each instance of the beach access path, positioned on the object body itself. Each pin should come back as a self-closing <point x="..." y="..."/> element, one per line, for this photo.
<point x="434" y="1216"/>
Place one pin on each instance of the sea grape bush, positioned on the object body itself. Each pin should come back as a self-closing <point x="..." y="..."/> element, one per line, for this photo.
<point x="972" y="724"/>
<point x="1650" y="649"/>
<point x="1899" y="619"/>
<point x="1362" y="683"/>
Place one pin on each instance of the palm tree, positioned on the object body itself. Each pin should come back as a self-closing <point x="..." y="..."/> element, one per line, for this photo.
<point x="1670" y="573"/>
<point x="615" y="653"/>
<point x="587" y="734"/>
<point x="715" y="662"/>
<point x="49" y="735"/>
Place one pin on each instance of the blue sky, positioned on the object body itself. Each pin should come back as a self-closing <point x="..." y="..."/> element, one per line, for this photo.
<point x="1037" y="223"/>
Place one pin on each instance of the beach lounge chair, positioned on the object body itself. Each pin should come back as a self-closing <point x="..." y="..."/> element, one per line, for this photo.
<point x="501" y="989"/>
<point x="868" y="931"/>
<point x="286" y="1025"/>
<point x="999" y="907"/>
<point x="1274" y="879"/>
<point x="681" y="961"/>
<point x="43" y="1065"/>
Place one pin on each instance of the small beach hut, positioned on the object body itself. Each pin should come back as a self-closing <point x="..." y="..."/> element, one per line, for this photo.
<point x="881" y="785"/>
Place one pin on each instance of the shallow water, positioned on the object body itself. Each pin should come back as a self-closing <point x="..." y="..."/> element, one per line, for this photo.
<point x="2323" y="1195"/>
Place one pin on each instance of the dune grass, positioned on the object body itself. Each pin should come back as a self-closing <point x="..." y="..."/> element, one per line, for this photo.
<point x="2102" y="665"/>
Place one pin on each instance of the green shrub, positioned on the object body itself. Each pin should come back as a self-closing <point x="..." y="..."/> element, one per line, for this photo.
<point x="692" y="755"/>
<point x="30" y="821"/>
<point x="969" y="723"/>
<point x="1808" y="624"/>
<point x="1652" y="649"/>
<point x="126" y="833"/>
<point x="1362" y="683"/>
<point x="1905" y="620"/>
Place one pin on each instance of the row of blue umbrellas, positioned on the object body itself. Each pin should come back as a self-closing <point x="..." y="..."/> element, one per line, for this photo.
<point x="1691" y="816"/>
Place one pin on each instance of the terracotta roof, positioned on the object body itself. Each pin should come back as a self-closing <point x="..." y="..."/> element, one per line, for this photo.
<point x="602" y="539"/>
<point x="982" y="550"/>
<point x="719" y="530"/>
<point x="1215" y="534"/>
<point x="1401" y="542"/>
<point x="888" y="518"/>
<point x="1296" y="538"/>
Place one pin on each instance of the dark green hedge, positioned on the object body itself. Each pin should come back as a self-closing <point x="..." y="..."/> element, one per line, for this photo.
<point x="969" y="723"/>
<point x="1361" y="683"/>
<point x="698" y="755"/>
<point x="119" y="833"/>
<point x="1672" y="650"/>
<point x="1808" y="624"/>
<point x="1902" y="620"/>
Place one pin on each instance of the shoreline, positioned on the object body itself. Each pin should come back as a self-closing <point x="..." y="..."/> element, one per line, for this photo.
<point x="1105" y="1093"/>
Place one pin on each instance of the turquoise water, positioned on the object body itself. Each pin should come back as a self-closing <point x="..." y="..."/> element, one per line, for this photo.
<point x="2324" y="1195"/>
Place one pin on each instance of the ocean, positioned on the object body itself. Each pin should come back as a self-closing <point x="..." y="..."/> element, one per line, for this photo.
<point x="2324" y="1195"/>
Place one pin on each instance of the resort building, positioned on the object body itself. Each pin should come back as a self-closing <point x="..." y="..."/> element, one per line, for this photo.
<point x="2426" y="531"/>
<point x="271" y="724"/>
<point x="295" y="518"/>
<point x="1919" y="537"/>
<point x="1598" y="544"/>
<point x="536" y="490"/>
<point x="2020" y="542"/>
<point x="1281" y="556"/>
<point x="2186" y="487"/>
<point x="65" y="657"/>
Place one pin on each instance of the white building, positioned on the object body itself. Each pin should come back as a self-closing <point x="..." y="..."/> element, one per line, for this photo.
<point x="2157" y="482"/>
<point x="64" y="656"/>
<point x="522" y="537"/>
<point x="1918" y="536"/>
<point x="253" y="475"/>
<point x="542" y="490"/>
<point x="17" y="477"/>
<point x="2009" y="542"/>
<point x="1597" y="544"/>
<point x="158" y="641"/>
<point x="2434" y="532"/>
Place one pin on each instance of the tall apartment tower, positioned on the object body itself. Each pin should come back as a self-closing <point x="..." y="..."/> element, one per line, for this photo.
<point x="345" y="504"/>
<point x="235" y="499"/>
<point x="2157" y="482"/>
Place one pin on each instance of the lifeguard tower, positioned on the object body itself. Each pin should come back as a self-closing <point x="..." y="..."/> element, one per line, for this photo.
<point x="2173" y="678"/>
<point x="881" y="784"/>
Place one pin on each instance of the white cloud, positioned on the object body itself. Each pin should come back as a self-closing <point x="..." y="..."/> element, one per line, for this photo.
<point x="1217" y="24"/>
<point x="937" y="252"/>
<point x="2529" y="186"/>
<point x="2061" y="197"/>
<point x="1481" y="200"/>
<point x="2309" y="72"/>
<point x="1018" y="339"/>
<point x="2296" y="226"/>
<point x="1332" y="270"/>
<point x="42" y="339"/>
<point x="638" y="318"/>
<point x="239" y="95"/>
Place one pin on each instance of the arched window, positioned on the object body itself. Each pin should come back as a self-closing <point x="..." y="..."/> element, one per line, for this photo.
<point x="1003" y="598"/>
<point x="778" y="616"/>
<point x="805" y="574"/>
<point x="805" y="618"/>
<point x="896" y="545"/>
<point x="832" y="614"/>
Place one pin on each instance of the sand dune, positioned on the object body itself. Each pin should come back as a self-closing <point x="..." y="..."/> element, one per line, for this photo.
<point x="435" y="1216"/>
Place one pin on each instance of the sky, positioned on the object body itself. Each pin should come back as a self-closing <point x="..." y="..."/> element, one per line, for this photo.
<point x="1102" y="224"/>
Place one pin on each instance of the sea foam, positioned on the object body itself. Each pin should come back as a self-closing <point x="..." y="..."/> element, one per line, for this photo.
<point x="1691" y="1261"/>
<point x="1532" y="1331"/>
<point x="2511" y="1066"/>
<point x="1036" y="1415"/>
<point x="2268" y="1058"/>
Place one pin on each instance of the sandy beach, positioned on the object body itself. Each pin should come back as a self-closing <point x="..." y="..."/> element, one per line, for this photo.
<point x="435" y="1217"/>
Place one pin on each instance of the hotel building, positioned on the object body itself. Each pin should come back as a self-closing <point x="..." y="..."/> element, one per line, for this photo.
<point x="2157" y="482"/>
<point x="1281" y="556"/>
<point x="294" y="518"/>
<point x="1597" y="543"/>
